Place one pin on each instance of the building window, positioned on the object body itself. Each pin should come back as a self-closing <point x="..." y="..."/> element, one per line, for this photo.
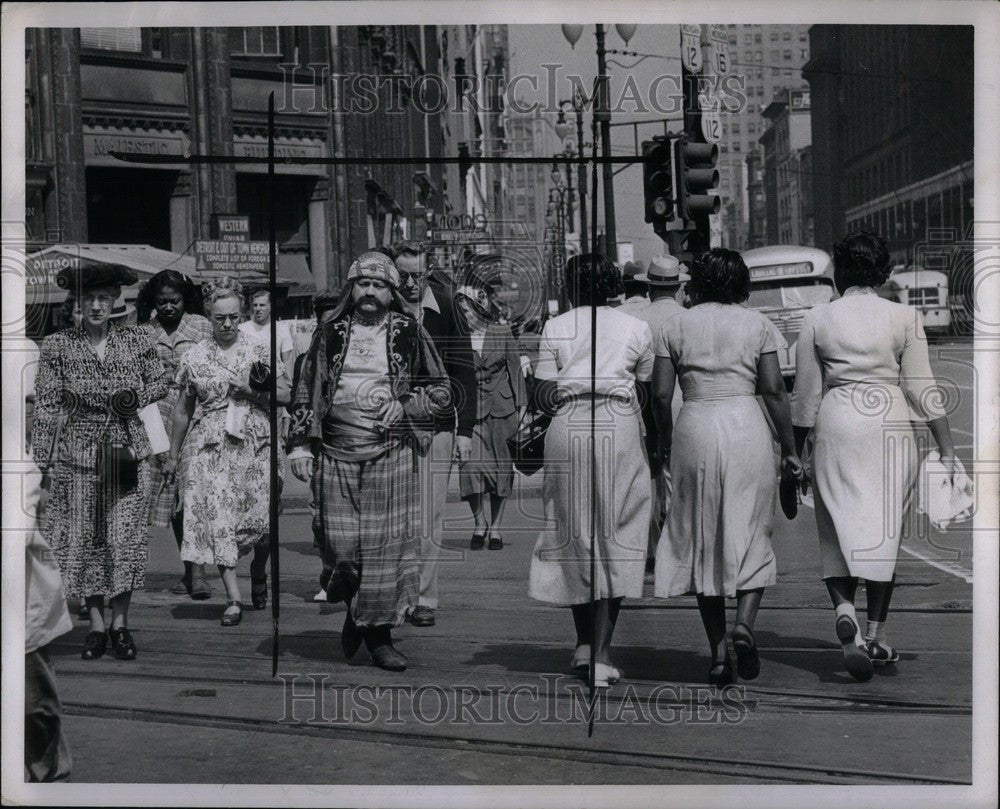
<point x="112" y="39"/>
<point x="254" y="41"/>
<point x="775" y="55"/>
<point x="775" y="71"/>
<point x="757" y="38"/>
<point x="748" y="39"/>
<point x="774" y="36"/>
<point x="787" y="56"/>
<point x="804" y="53"/>
<point x="787" y="35"/>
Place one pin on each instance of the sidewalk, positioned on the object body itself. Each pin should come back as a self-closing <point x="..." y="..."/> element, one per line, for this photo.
<point x="199" y="704"/>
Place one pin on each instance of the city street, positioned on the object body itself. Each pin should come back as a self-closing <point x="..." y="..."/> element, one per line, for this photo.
<point x="488" y="699"/>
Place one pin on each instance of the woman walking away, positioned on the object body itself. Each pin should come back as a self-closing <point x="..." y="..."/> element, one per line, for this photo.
<point x="870" y="357"/>
<point x="488" y="473"/>
<point x="221" y="428"/>
<point x="618" y="513"/>
<point x="716" y="541"/>
<point x="92" y="380"/>
<point x="171" y="299"/>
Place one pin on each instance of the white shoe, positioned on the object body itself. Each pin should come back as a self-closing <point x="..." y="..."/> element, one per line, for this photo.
<point x="581" y="658"/>
<point x="320" y="596"/>
<point x="605" y="675"/>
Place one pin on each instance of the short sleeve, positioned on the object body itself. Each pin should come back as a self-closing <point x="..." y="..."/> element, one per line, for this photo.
<point x="771" y="339"/>
<point x="644" y="346"/>
<point x="547" y="365"/>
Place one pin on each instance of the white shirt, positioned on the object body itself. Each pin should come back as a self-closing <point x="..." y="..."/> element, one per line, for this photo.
<point x="624" y="352"/>
<point x="263" y="334"/>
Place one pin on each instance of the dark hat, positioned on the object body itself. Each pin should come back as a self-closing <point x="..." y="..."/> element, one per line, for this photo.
<point x="95" y="275"/>
<point x="631" y="270"/>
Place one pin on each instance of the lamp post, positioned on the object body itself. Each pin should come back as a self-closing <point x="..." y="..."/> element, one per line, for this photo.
<point x="602" y="115"/>
<point x="563" y="130"/>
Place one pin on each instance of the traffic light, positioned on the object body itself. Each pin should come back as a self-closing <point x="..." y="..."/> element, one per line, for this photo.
<point x="696" y="176"/>
<point x="657" y="182"/>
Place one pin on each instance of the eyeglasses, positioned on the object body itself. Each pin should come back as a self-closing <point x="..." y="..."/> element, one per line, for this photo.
<point x="221" y="319"/>
<point x="104" y="300"/>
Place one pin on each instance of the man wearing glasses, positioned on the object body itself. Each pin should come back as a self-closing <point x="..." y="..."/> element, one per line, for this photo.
<point x="433" y="308"/>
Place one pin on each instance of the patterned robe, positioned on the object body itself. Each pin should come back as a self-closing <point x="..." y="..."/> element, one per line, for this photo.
<point x="98" y="533"/>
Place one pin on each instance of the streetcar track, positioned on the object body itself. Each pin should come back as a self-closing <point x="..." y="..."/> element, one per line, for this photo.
<point x="760" y="770"/>
<point x="771" y="699"/>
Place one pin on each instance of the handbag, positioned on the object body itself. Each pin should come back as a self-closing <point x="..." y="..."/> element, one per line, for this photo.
<point x="527" y="445"/>
<point x="788" y="494"/>
<point x="117" y="466"/>
<point x="260" y="378"/>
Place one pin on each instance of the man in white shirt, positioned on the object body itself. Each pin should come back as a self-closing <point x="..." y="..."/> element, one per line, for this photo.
<point x="664" y="281"/>
<point x="259" y="326"/>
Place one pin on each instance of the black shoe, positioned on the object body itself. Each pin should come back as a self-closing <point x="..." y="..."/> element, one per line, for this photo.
<point x="95" y="645"/>
<point x="350" y="635"/>
<point x="721" y="674"/>
<point x="83" y="613"/>
<point x="496" y="543"/>
<point x="422" y="616"/>
<point x="258" y="593"/>
<point x="388" y="657"/>
<point x="182" y="586"/>
<point x="747" y="657"/>
<point x="478" y="542"/>
<point x="124" y="646"/>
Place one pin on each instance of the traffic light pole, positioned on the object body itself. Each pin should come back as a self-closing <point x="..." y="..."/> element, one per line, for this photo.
<point x="602" y="112"/>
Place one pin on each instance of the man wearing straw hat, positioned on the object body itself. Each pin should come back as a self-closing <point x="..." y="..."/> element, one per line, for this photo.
<point x="370" y="387"/>
<point x="664" y="280"/>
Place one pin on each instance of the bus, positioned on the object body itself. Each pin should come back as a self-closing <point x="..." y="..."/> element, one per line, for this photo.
<point x="785" y="281"/>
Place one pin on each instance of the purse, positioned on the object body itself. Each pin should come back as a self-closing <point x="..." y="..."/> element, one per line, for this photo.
<point x="261" y="378"/>
<point x="527" y="445"/>
<point x="788" y="494"/>
<point x="117" y="466"/>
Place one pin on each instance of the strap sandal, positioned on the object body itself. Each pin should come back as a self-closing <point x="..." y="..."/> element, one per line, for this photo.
<point x="881" y="654"/>
<point x="856" y="659"/>
<point x="747" y="657"/>
<point x="232" y="618"/>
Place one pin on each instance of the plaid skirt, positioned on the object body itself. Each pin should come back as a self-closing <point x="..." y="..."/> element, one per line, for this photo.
<point x="365" y="522"/>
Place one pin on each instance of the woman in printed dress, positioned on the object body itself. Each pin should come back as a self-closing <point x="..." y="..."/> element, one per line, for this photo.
<point x="92" y="379"/>
<point x="172" y="300"/>
<point x="222" y="428"/>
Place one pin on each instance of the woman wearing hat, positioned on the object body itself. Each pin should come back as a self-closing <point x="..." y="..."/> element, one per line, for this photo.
<point x="501" y="401"/>
<point x="167" y="305"/>
<point x="221" y="429"/>
<point x="716" y="541"/>
<point x="87" y="436"/>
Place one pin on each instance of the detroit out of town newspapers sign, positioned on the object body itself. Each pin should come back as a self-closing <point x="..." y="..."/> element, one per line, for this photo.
<point x="218" y="255"/>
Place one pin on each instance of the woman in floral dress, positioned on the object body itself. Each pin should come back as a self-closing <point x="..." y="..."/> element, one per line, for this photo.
<point x="221" y="424"/>
<point x="92" y="379"/>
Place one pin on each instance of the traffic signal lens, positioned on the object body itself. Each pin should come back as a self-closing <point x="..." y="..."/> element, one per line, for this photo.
<point x="661" y="207"/>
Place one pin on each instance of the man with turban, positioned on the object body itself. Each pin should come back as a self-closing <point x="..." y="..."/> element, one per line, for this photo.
<point x="369" y="390"/>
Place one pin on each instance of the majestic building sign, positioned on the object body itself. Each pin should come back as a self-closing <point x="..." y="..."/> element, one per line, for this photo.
<point x="99" y="143"/>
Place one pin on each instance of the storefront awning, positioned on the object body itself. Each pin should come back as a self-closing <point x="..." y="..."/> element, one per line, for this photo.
<point x="43" y="266"/>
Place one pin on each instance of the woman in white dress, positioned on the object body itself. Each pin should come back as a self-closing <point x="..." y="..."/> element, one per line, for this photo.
<point x="862" y="373"/>
<point x="716" y="541"/>
<point x="620" y="499"/>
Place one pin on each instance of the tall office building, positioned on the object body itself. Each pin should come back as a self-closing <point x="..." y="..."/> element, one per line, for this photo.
<point x="769" y="58"/>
